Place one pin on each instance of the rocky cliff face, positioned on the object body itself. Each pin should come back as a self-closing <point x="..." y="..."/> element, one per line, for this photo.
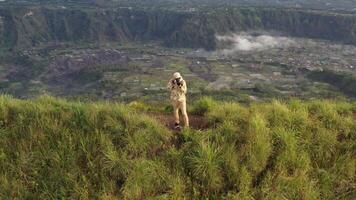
<point x="26" y="27"/>
<point x="29" y="27"/>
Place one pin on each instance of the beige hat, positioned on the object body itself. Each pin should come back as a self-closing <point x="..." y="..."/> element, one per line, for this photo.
<point x="177" y="75"/>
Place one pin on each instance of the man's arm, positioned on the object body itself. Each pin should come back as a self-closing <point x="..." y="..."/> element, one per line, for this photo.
<point x="184" y="87"/>
<point x="169" y="85"/>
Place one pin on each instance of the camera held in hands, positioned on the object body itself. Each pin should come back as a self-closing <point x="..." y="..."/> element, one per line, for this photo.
<point x="178" y="82"/>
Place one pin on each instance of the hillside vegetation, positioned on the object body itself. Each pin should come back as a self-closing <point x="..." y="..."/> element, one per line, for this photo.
<point x="345" y="82"/>
<point x="55" y="149"/>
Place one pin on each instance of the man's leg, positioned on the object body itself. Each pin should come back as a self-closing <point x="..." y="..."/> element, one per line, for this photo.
<point x="176" y="113"/>
<point x="184" y="113"/>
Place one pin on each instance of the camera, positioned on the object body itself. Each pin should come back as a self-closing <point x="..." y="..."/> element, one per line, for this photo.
<point x="177" y="81"/>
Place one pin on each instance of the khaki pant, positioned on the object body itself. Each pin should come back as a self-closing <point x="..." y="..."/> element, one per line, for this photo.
<point x="182" y="106"/>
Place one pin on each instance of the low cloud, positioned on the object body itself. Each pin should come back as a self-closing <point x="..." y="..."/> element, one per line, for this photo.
<point x="245" y="42"/>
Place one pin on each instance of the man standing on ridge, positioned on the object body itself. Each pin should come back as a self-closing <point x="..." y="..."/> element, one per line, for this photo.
<point x="178" y="88"/>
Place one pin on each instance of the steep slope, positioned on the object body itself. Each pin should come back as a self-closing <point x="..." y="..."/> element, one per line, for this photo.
<point x="31" y="26"/>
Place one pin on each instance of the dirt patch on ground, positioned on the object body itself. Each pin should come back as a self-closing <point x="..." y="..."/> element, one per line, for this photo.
<point x="196" y="122"/>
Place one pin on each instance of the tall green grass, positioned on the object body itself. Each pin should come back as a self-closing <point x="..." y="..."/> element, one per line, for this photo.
<point x="51" y="148"/>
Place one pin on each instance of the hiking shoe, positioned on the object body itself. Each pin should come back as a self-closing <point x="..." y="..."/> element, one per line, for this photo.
<point x="176" y="126"/>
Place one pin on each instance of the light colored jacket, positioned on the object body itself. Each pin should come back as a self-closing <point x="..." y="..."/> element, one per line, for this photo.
<point x="177" y="92"/>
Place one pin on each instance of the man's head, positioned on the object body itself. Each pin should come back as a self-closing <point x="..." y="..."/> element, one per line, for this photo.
<point x="177" y="79"/>
<point x="177" y="75"/>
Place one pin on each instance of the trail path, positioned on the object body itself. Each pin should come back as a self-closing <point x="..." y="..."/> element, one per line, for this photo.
<point x="196" y="122"/>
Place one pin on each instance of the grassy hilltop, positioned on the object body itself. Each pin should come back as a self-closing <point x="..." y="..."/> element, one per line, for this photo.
<point x="55" y="149"/>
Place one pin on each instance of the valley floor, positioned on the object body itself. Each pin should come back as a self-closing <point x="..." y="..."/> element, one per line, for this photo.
<point x="139" y="71"/>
